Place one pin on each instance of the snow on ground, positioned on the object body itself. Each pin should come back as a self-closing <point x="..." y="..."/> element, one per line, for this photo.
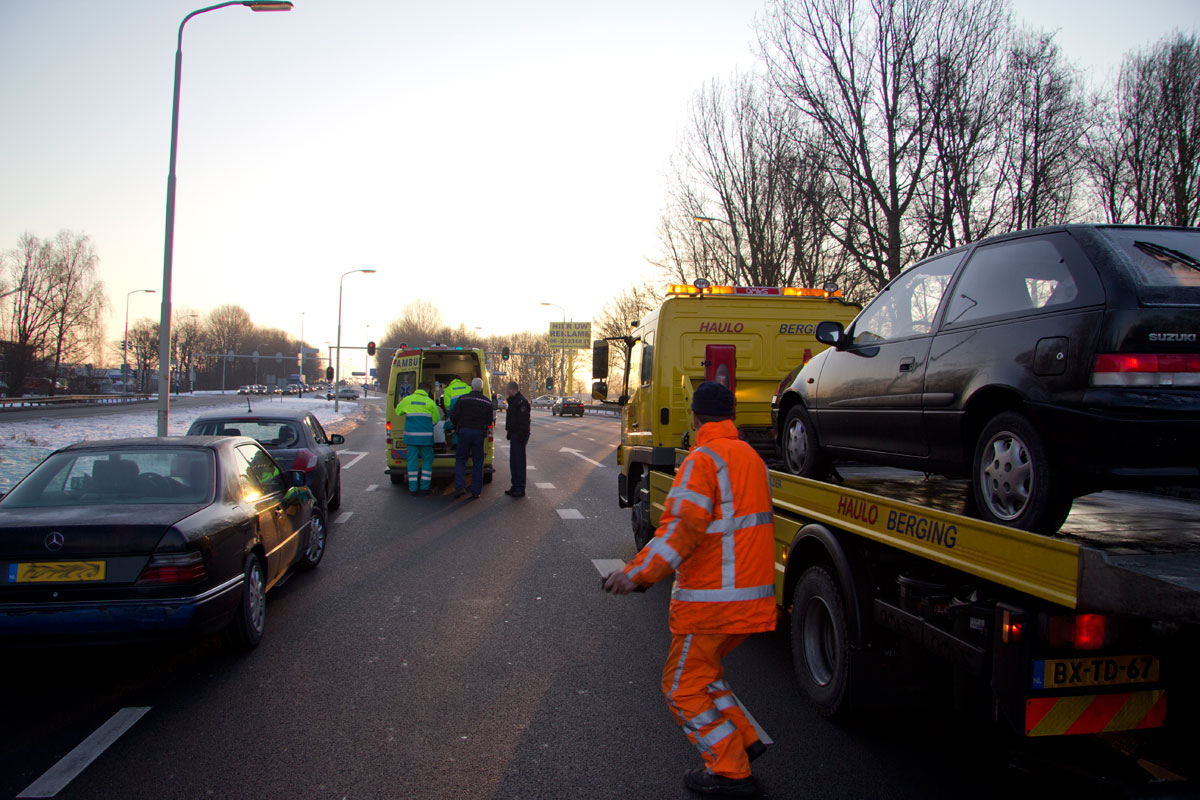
<point x="25" y="443"/>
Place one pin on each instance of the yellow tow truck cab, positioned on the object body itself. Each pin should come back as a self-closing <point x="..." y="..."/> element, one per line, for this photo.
<point x="437" y="366"/>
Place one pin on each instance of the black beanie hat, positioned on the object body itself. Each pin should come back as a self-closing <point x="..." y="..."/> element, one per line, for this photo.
<point x="712" y="399"/>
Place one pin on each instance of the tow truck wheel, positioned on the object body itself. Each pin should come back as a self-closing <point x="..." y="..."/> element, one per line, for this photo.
<point x="1013" y="480"/>
<point x="801" y="453"/>
<point x="820" y="645"/>
<point x="643" y="531"/>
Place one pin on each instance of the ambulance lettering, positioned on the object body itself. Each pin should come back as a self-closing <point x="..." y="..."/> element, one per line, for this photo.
<point x="922" y="528"/>
<point x="721" y="327"/>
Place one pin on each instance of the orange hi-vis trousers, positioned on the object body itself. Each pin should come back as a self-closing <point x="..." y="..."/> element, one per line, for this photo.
<point x="693" y="681"/>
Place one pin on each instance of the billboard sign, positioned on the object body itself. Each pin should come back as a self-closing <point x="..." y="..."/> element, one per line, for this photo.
<point x="570" y="335"/>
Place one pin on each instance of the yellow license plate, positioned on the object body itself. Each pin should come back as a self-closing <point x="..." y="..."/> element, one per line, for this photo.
<point x="1071" y="673"/>
<point x="56" y="572"/>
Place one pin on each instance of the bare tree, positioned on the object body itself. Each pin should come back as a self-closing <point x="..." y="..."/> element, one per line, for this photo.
<point x="76" y="302"/>
<point x="857" y="72"/>
<point x="29" y="316"/>
<point x="143" y="349"/>
<point x="1043" y="135"/>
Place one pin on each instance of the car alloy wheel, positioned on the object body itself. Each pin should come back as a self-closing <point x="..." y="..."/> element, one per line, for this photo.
<point x="317" y="536"/>
<point x="1013" y="479"/>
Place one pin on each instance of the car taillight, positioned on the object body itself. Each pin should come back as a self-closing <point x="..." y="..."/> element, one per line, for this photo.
<point x="174" y="568"/>
<point x="306" y="460"/>
<point x="1146" y="369"/>
<point x="1078" y="632"/>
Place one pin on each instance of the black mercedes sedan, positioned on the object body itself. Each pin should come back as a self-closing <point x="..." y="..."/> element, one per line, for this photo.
<point x="146" y="538"/>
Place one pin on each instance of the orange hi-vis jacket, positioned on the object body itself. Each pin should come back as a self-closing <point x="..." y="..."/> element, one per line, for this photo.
<point x="717" y="535"/>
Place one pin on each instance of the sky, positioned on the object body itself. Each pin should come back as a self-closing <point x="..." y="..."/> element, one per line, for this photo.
<point x="484" y="156"/>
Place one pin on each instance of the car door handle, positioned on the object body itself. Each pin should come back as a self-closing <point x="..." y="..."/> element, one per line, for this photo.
<point x="907" y="364"/>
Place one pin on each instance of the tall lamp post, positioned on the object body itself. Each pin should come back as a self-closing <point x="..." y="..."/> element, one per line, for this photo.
<point x="125" y="342"/>
<point x="164" y="324"/>
<point x="562" y="374"/>
<point x="740" y="267"/>
<point x="337" y="371"/>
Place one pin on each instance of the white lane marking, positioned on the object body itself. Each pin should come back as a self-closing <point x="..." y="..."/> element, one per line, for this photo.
<point x="353" y="461"/>
<point x="581" y="455"/>
<point x="605" y="566"/>
<point x="779" y="567"/>
<point x="544" y="485"/>
<point x="345" y="515"/>
<point x="372" y="487"/>
<point x="569" y="513"/>
<point x="55" y="779"/>
<point x="762" y="735"/>
<point x="530" y="466"/>
<point x="590" y="439"/>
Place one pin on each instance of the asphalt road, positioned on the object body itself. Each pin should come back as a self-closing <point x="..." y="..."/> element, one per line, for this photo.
<point x="456" y="649"/>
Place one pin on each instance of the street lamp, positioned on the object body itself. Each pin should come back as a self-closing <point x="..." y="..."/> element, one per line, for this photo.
<point x="740" y="268"/>
<point x="337" y="372"/>
<point x="562" y="374"/>
<point x="125" y="342"/>
<point x="164" y="324"/>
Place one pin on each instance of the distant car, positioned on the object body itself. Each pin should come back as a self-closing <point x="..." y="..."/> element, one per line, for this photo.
<point x="344" y="393"/>
<point x="148" y="538"/>
<point x="1044" y="364"/>
<point x="245" y="390"/>
<point x="544" y="401"/>
<point x="292" y="388"/>
<point x="295" y="439"/>
<point x="566" y="405"/>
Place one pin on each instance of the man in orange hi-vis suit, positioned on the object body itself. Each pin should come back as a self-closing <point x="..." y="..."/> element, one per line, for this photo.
<point x="716" y="535"/>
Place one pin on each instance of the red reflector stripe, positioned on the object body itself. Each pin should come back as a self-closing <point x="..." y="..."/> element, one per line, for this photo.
<point x="1057" y="716"/>
<point x="1148" y="362"/>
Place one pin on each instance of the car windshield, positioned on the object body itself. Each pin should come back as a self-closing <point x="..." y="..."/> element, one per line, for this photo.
<point x="1161" y="258"/>
<point x="117" y="477"/>
<point x="271" y="433"/>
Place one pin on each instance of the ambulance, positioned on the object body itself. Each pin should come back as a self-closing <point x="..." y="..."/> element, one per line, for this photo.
<point x="437" y="366"/>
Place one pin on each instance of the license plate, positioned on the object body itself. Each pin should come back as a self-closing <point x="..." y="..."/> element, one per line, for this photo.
<point x="1069" y="673"/>
<point x="56" y="572"/>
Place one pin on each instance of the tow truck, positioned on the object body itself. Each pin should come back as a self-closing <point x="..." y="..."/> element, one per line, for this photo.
<point x="1089" y="632"/>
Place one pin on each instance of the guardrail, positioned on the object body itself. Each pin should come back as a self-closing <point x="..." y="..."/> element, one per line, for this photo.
<point x="12" y="403"/>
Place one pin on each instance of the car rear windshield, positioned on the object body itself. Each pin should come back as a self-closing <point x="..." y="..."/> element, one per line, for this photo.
<point x="120" y="477"/>
<point x="1161" y="258"/>
<point x="273" y="434"/>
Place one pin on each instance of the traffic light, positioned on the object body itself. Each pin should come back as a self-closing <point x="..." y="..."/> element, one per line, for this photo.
<point x="329" y="373"/>
<point x="549" y="384"/>
<point x="370" y="348"/>
<point x="504" y="352"/>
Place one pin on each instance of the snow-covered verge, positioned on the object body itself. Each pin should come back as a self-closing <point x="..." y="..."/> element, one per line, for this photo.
<point x="24" y="444"/>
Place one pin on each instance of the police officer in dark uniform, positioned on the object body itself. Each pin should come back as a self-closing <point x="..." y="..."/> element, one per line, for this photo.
<point x="516" y="427"/>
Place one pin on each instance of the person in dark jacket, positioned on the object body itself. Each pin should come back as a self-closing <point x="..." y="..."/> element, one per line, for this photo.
<point x="516" y="427"/>
<point x="472" y="416"/>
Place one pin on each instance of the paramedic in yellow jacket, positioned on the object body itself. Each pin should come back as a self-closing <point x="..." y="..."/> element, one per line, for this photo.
<point x="420" y="415"/>
<point x="716" y="536"/>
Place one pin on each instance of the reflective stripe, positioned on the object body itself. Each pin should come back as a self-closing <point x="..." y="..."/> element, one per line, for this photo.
<point x="725" y="523"/>
<point x="741" y="523"/>
<point x="654" y="549"/>
<point x="687" y="643"/>
<point x="724" y="595"/>
<point x="697" y="723"/>
<point x="719" y="686"/>
<point x="659" y="547"/>
<point x="701" y="500"/>
<point x="715" y="735"/>
<point x="725" y="701"/>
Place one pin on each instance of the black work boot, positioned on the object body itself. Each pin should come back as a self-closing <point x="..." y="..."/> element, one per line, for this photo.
<point x="705" y="782"/>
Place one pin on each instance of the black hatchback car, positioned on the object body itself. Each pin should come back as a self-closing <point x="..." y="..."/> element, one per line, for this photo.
<point x="1044" y="365"/>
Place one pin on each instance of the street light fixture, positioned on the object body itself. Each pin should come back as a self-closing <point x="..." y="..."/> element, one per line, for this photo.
<point x="125" y="342"/>
<point x="562" y="374"/>
<point x="740" y="268"/>
<point x="164" y="324"/>
<point x="337" y="372"/>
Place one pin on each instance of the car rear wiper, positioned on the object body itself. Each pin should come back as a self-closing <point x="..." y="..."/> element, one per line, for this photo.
<point x="1168" y="255"/>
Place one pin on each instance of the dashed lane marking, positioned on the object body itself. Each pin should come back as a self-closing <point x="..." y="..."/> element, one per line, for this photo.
<point x="569" y="513"/>
<point x="606" y="566"/>
<point x="357" y="457"/>
<point x="372" y="487"/>
<point x="762" y="735"/>
<point x="55" y="779"/>
<point x="544" y="485"/>
<point x="345" y="515"/>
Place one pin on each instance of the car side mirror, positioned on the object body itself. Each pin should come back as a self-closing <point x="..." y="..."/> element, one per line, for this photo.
<point x="600" y="391"/>
<point x="337" y="438"/>
<point x="599" y="360"/>
<point x="296" y="477"/>
<point x="831" y="333"/>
